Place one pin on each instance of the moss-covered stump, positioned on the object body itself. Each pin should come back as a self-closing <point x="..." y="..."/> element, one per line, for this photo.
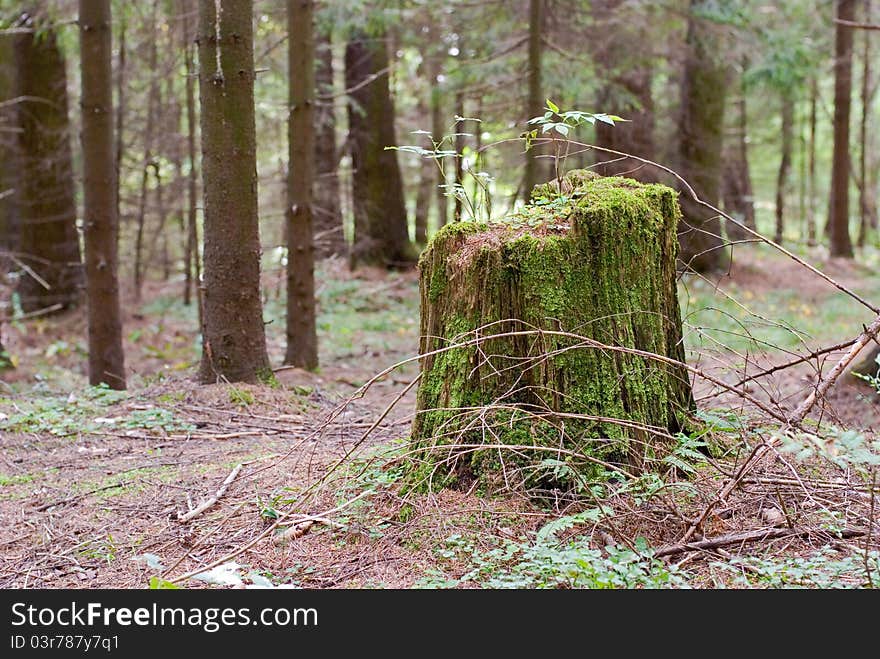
<point x="552" y="310"/>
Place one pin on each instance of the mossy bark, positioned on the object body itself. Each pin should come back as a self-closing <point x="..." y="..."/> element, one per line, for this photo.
<point x="519" y="293"/>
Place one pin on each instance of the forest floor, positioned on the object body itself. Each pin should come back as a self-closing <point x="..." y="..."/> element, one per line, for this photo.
<point x="93" y="482"/>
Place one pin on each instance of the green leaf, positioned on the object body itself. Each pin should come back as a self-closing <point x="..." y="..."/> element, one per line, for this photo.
<point x="552" y="106"/>
<point x="157" y="583"/>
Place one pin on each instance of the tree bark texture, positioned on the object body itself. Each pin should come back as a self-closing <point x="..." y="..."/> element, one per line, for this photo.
<point x="302" y="340"/>
<point x="624" y="52"/>
<point x="234" y="340"/>
<point x="838" y="221"/>
<point x="784" y="163"/>
<point x="9" y="163"/>
<point x="701" y="128"/>
<point x="329" y="235"/>
<point x="535" y="98"/>
<point x="607" y="273"/>
<point x="100" y="222"/>
<point x="736" y="181"/>
<point x="49" y="244"/>
<point x="438" y="130"/>
<point x="381" y="235"/>
<point x="867" y="194"/>
<point x="192" y="261"/>
<point x="811" y="168"/>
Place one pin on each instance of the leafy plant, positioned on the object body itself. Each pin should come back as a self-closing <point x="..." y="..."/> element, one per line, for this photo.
<point x="557" y="125"/>
<point x="479" y="206"/>
<point x="84" y="412"/>
<point x="821" y="570"/>
<point x="547" y="562"/>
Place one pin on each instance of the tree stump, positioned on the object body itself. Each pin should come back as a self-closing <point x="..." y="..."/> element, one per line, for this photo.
<point x="535" y="339"/>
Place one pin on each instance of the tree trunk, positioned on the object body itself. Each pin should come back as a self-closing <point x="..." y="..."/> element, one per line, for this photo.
<point x="438" y="130"/>
<point x="460" y="143"/>
<point x="120" y="112"/>
<point x="193" y="265"/>
<point x="784" y="163"/>
<point x="736" y="181"/>
<point x="811" y="170"/>
<point x="100" y="224"/>
<point x="302" y="340"/>
<point x="867" y="202"/>
<point x="535" y="99"/>
<point x="423" y="198"/>
<point x="624" y="51"/>
<point x="9" y="220"/>
<point x="148" y="162"/>
<point x="381" y="235"/>
<point x="541" y="387"/>
<point x="868" y="365"/>
<point x="703" y="90"/>
<point x="49" y="242"/>
<point x="838" y="221"/>
<point x="234" y="341"/>
<point x="329" y="235"/>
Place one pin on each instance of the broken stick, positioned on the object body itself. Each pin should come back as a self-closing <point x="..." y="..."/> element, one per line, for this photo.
<point x="210" y="501"/>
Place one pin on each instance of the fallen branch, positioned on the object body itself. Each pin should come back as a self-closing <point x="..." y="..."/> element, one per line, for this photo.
<point x="303" y="526"/>
<point x="748" y="536"/>
<point x="284" y="518"/>
<point x="823" y="385"/>
<point x="856" y="25"/>
<point x="63" y="502"/>
<point x="210" y="501"/>
<point x="794" y="362"/>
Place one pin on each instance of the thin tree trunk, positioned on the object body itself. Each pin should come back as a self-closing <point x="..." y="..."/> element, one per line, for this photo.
<point x="234" y="340"/>
<point x="381" y="235"/>
<point x="802" y="173"/>
<point x="703" y="91"/>
<point x="302" y="340"/>
<point x="49" y="243"/>
<point x="423" y="198"/>
<point x="535" y="100"/>
<point x="867" y="206"/>
<point x="100" y="226"/>
<point x="811" y="169"/>
<point x="9" y="163"/>
<point x="329" y="234"/>
<point x="152" y="111"/>
<point x="736" y="183"/>
<point x="193" y="266"/>
<point x="838" y="221"/>
<point x="120" y="111"/>
<point x="460" y="143"/>
<point x="623" y="48"/>
<point x="785" y="162"/>
<point x="478" y="164"/>
<point x="438" y="129"/>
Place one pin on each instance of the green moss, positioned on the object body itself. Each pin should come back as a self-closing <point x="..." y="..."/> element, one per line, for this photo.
<point x="267" y="376"/>
<point x="572" y="181"/>
<point x="599" y="265"/>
